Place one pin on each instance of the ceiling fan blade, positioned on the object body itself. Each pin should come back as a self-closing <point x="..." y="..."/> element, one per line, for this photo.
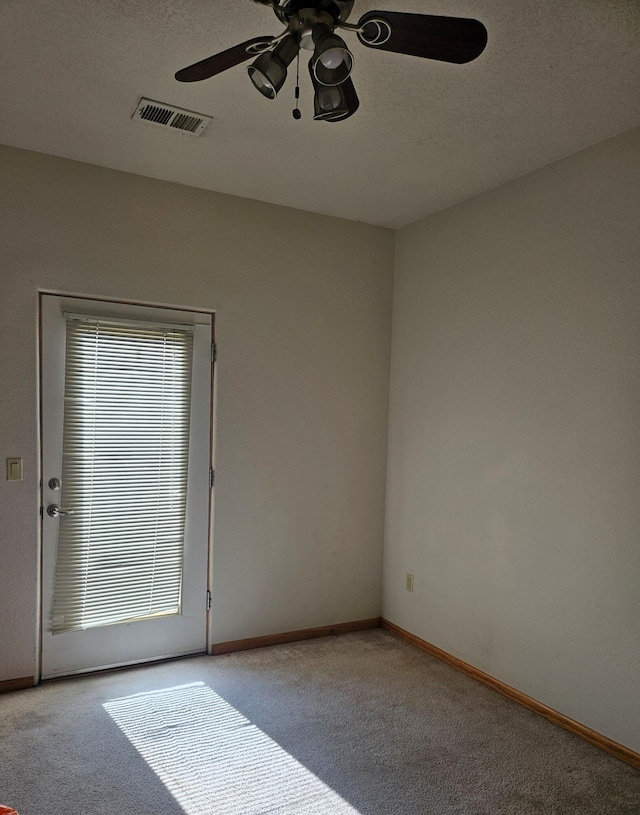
<point x="449" y="39"/>
<point x="220" y="62"/>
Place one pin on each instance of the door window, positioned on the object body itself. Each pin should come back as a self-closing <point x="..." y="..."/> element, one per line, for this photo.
<point x="127" y="405"/>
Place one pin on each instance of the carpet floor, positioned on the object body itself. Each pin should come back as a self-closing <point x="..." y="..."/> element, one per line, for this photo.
<point x="359" y="724"/>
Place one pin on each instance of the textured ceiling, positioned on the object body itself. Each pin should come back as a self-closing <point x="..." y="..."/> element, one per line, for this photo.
<point x="556" y="76"/>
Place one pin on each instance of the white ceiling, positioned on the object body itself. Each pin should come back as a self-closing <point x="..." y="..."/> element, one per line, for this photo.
<point x="556" y="76"/>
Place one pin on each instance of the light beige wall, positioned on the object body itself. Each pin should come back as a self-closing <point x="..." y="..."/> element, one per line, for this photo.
<point x="514" y="445"/>
<point x="303" y="330"/>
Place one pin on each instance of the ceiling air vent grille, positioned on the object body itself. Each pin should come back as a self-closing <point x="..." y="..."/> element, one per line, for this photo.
<point x="163" y="115"/>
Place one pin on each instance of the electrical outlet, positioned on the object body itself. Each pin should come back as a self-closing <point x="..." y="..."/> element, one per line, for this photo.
<point x="409" y="582"/>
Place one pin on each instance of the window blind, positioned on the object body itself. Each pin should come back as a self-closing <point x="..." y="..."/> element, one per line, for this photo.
<point x="127" y="405"/>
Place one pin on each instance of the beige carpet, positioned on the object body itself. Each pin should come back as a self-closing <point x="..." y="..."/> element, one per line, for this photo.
<point x="360" y="724"/>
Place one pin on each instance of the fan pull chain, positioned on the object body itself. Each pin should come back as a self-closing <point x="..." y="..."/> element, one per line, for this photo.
<point x="297" y="113"/>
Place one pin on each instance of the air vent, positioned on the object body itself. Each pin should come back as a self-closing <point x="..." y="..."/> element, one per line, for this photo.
<point x="163" y="115"/>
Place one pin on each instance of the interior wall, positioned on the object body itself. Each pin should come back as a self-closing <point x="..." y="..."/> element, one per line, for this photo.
<point x="303" y="329"/>
<point x="514" y="444"/>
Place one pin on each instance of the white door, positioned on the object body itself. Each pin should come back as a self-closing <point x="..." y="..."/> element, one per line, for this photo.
<point x="126" y="456"/>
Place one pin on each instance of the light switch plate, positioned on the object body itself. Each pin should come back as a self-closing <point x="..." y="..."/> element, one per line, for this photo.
<point x="14" y="469"/>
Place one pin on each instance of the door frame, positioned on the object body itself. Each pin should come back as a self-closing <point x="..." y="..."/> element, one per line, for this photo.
<point x="122" y="305"/>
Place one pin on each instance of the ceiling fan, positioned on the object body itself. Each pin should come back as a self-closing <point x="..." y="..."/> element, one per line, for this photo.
<point x="311" y="25"/>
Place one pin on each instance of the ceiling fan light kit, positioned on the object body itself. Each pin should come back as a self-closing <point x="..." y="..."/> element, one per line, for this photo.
<point x="332" y="61"/>
<point x="269" y="72"/>
<point x="310" y="25"/>
<point x="332" y="103"/>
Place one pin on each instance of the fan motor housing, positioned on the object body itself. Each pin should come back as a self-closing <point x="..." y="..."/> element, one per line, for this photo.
<point x="303" y="22"/>
<point x="339" y="10"/>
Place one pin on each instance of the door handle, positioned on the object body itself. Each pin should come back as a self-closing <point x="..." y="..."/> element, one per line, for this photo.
<point x="54" y="511"/>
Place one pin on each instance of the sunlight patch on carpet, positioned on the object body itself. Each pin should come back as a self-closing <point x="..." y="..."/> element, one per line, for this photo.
<point x="212" y="759"/>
